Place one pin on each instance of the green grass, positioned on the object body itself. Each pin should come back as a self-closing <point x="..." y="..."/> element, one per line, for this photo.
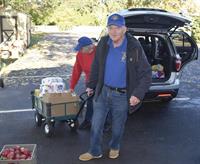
<point x="35" y="38"/>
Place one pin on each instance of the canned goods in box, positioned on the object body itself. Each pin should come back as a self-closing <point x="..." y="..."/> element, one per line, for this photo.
<point x="37" y="92"/>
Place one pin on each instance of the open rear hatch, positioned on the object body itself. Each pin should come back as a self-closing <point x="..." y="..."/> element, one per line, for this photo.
<point x="153" y="20"/>
<point x="149" y="23"/>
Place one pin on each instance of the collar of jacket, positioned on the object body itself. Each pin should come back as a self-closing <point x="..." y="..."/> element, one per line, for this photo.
<point x="131" y="41"/>
<point x="132" y="47"/>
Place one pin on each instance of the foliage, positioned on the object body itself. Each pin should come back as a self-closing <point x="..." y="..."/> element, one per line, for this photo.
<point x="196" y="28"/>
<point x="39" y="10"/>
<point x="68" y="13"/>
<point x="80" y="12"/>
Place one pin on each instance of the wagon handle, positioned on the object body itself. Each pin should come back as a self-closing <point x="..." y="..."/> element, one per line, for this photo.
<point x="84" y="96"/>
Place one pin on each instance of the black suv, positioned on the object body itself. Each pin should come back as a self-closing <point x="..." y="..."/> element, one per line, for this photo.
<point x="167" y="47"/>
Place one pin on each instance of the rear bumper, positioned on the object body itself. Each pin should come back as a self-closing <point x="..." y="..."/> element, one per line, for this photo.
<point x="162" y="92"/>
<point x="165" y="86"/>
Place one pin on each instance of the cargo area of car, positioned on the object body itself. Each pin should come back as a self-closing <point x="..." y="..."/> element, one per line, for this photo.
<point x="158" y="55"/>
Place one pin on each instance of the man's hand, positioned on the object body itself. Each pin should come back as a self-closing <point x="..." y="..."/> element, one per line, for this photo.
<point x="134" y="101"/>
<point x="89" y="91"/>
<point x="71" y="90"/>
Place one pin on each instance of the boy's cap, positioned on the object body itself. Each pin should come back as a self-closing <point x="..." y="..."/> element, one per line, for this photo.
<point x="116" y="19"/>
<point x="82" y="42"/>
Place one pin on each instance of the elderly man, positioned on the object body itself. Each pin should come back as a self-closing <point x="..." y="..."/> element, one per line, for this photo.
<point x="120" y="75"/>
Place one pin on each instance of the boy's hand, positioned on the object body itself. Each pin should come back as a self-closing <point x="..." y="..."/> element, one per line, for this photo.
<point x="71" y="90"/>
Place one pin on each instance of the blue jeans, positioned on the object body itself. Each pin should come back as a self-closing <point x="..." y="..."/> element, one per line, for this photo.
<point x="115" y="103"/>
<point x="89" y="112"/>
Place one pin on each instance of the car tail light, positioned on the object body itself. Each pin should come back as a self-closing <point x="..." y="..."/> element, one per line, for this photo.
<point x="178" y="65"/>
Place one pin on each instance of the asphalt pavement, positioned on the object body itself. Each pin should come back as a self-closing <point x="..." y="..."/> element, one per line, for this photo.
<point x="167" y="134"/>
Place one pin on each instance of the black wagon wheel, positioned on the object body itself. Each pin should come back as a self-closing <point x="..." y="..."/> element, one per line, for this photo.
<point x="38" y="119"/>
<point x="48" y="129"/>
<point x="73" y="124"/>
<point x="1" y="83"/>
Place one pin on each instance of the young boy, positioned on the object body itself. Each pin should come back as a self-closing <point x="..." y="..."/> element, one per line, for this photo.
<point x="85" y="55"/>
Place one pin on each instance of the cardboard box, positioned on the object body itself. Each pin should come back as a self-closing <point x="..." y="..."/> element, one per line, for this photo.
<point x="56" y="98"/>
<point x="62" y="104"/>
<point x="31" y="147"/>
<point x="59" y="110"/>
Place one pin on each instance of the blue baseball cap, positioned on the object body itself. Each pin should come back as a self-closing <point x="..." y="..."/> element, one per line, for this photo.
<point x="82" y="42"/>
<point x="116" y="19"/>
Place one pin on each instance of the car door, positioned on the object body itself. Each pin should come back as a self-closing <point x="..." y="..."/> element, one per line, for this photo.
<point x="185" y="46"/>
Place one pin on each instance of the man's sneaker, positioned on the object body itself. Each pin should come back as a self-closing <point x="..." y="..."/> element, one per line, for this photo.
<point x="113" y="153"/>
<point x="88" y="157"/>
<point x="85" y="125"/>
